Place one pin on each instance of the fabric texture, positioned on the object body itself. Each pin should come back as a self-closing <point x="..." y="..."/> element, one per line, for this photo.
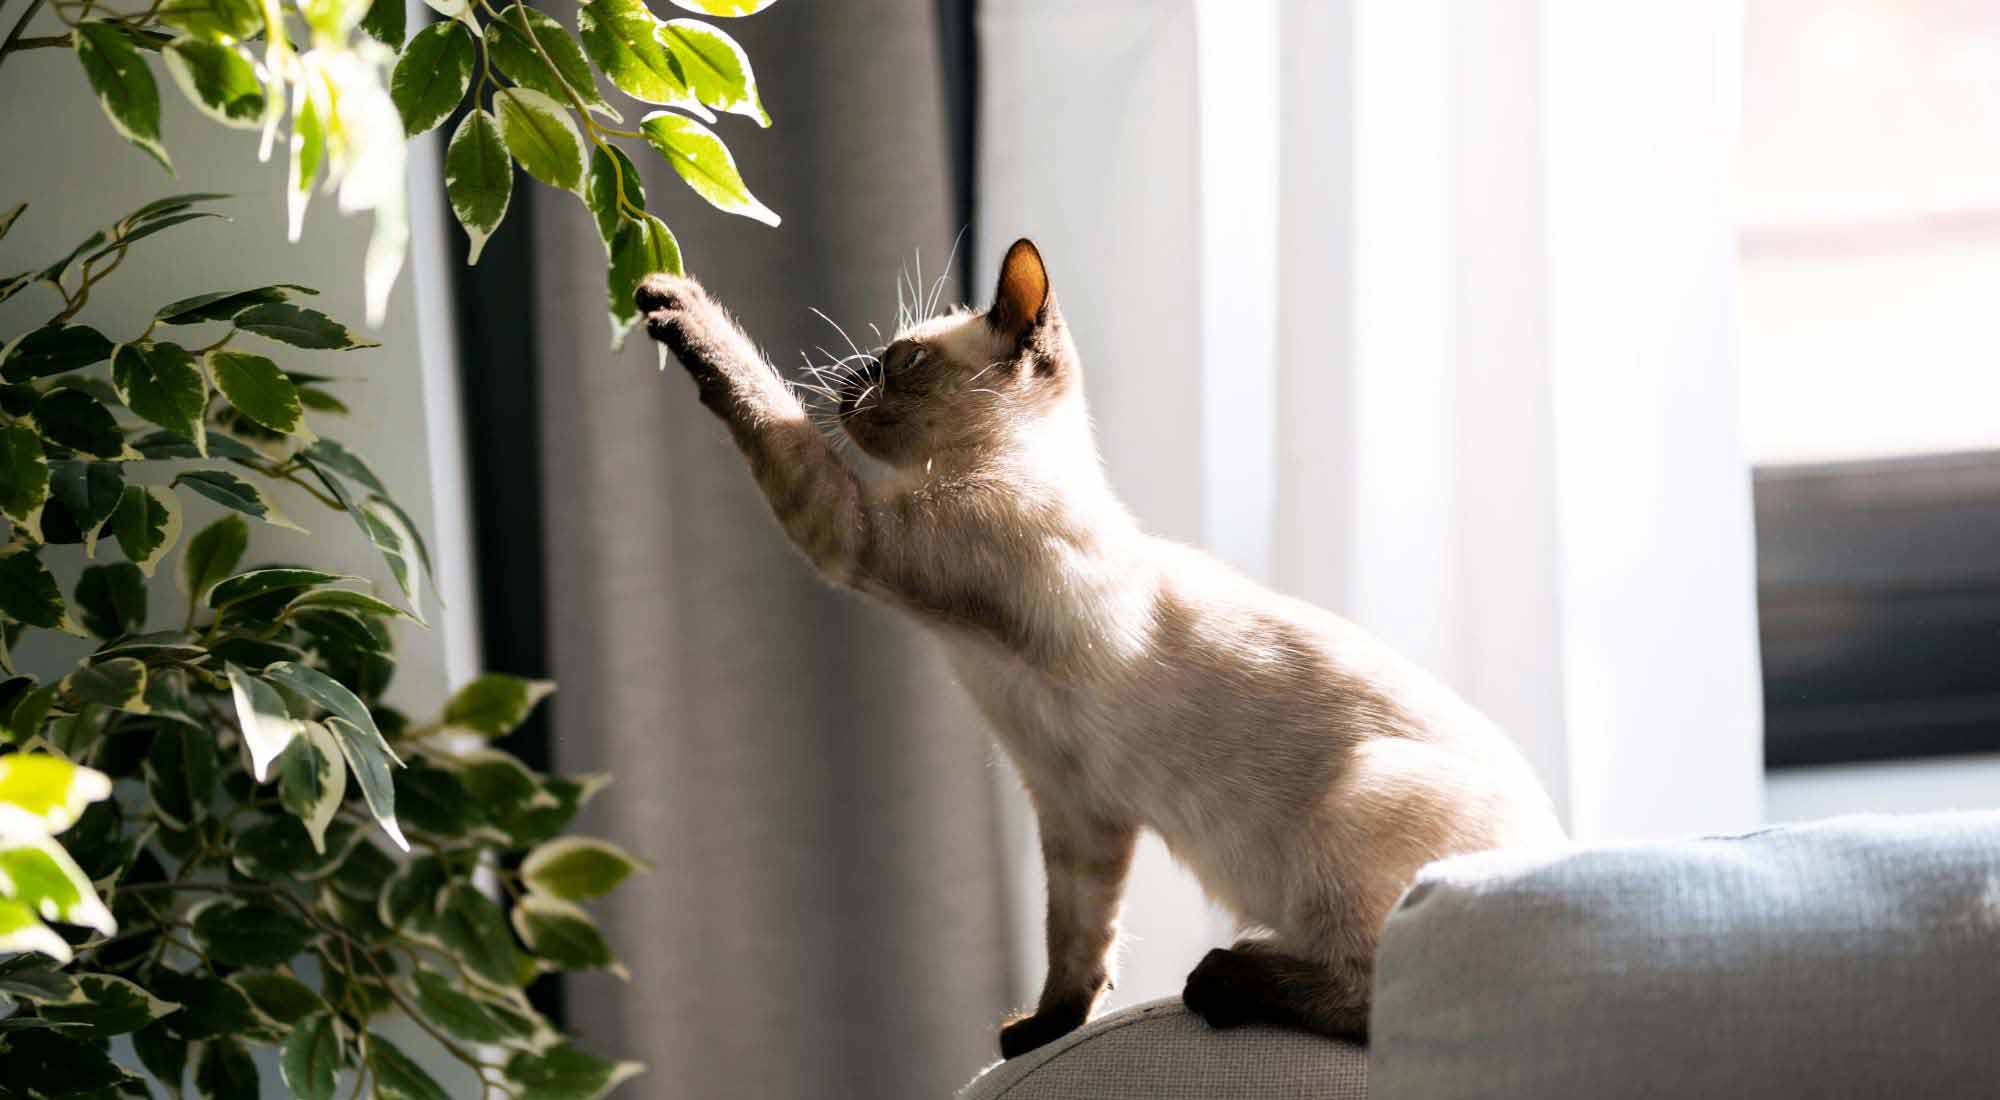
<point x="825" y="918"/>
<point x="1160" y="1051"/>
<point x="1858" y="957"/>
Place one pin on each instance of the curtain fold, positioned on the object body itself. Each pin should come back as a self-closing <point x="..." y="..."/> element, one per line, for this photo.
<point x="826" y="917"/>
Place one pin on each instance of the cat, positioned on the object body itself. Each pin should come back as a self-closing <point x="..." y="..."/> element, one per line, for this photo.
<point x="1301" y="770"/>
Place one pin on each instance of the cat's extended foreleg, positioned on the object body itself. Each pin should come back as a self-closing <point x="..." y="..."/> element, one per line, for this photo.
<point x="1087" y="861"/>
<point x="816" y="497"/>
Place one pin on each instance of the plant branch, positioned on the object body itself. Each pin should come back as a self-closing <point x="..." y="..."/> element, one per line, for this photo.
<point x="13" y="41"/>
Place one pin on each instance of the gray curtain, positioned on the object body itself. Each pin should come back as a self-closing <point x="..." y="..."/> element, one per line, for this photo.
<point x="826" y="918"/>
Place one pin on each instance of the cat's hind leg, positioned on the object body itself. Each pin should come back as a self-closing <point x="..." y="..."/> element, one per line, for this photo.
<point x="1256" y="982"/>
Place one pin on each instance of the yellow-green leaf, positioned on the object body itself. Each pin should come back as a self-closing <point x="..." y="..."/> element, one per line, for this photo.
<point x="704" y="162"/>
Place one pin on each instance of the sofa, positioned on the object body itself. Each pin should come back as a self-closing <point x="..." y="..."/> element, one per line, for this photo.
<point x="1858" y="957"/>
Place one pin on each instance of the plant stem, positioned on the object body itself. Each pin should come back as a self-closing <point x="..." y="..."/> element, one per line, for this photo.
<point x="14" y="36"/>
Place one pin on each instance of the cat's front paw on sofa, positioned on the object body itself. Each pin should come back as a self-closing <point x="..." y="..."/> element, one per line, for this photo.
<point x="1038" y="1030"/>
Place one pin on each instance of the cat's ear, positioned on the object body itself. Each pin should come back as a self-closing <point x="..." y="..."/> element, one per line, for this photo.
<point x="1021" y="298"/>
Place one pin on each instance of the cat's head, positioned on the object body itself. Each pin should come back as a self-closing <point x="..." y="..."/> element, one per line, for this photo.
<point x="968" y="381"/>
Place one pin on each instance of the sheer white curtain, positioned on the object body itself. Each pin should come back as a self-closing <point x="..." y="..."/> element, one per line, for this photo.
<point x="1421" y="311"/>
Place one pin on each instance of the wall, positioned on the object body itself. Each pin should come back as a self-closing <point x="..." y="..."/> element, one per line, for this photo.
<point x="76" y="174"/>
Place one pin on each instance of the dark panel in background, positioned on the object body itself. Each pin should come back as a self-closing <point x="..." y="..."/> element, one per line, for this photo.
<point x="1878" y="592"/>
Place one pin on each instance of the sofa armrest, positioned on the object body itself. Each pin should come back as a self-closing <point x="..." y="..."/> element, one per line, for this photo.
<point x="1856" y="957"/>
<point x="1159" y="1051"/>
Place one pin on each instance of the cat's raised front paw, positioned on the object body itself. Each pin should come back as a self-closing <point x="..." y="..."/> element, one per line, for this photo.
<point x="1041" y="1029"/>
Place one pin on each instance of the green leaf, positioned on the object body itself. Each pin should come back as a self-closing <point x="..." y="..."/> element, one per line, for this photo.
<point x="108" y="1005"/>
<point x="47" y="1063"/>
<point x="311" y="1058"/>
<point x="182" y="773"/>
<point x="494" y="704"/>
<point x="619" y="36"/>
<point x="306" y="149"/>
<point x="474" y="930"/>
<point x="725" y="8"/>
<point x="222" y="305"/>
<point x="300" y="327"/>
<point x="462" y="1016"/>
<point x="514" y="53"/>
<point x="9" y="217"/>
<point x="119" y="683"/>
<point x="641" y="248"/>
<point x="28" y="594"/>
<point x="434" y="800"/>
<point x="112" y="601"/>
<point x="563" y="1072"/>
<point x="146" y="523"/>
<point x="397" y="1076"/>
<point x="42" y="795"/>
<point x="349" y="600"/>
<point x="218" y="80"/>
<point x="335" y="456"/>
<point x="90" y="492"/>
<point x="164" y="1054"/>
<point x="24" y="475"/>
<point x="565" y="935"/>
<point x="332" y="20"/>
<point x="718" y="71"/>
<point x="704" y="162"/>
<point x="38" y="873"/>
<point x="370" y="759"/>
<point x="249" y="933"/>
<point x="390" y="530"/>
<point x="368" y="754"/>
<point x="432" y="75"/>
<point x="225" y="1071"/>
<point x="21" y="930"/>
<point x="262" y="582"/>
<point x="74" y="419"/>
<point x="55" y="349"/>
<point x="258" y="389"/>
<point x="311" y="781"/>
<point x="529" y="825"/>
<point x="30" y="711"/>
<point x="541" y="135"/>
<point x="235" y="493"/>
<point x="608" y="172"/>
<point x="386" y="23"/>
<point x="124" y="87"/>
<point x="278" y="995"/>
<point x="211" y="1007"/>
<point x="409" y="901"/>
<point x="478" y="178"/>
<point x="281" y="850"/>
<point x="576" y="868"/>
<point x="38" y="985"/>
<point x="162" y="383"/>
<point x="268" y="728"/>
<point x="212" y="554"/>
<point x="214" y="20"/>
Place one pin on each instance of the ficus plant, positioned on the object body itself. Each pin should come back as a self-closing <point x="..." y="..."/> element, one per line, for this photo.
<point x="214" y="834"/>
<point x="347" y="85"/>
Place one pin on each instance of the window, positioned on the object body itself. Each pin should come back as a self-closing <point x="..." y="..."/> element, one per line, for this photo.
<point x="1870" y="297"/>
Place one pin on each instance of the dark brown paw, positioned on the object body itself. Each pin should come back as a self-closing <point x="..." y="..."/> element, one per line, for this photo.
<point x="660" y="291"/>
<point x="1041" y="1029"/>
<point x="1223" y="989"/>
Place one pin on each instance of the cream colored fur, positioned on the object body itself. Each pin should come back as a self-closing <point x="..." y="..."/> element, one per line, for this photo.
<point x="1301" y="770"/>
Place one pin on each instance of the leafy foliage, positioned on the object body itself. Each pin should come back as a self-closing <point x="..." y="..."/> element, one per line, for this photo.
<point x="215" y="835"/>
<point x="348" y="86"/>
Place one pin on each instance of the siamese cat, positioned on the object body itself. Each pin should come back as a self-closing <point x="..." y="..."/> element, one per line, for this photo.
<point x="1300" y="769"/>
